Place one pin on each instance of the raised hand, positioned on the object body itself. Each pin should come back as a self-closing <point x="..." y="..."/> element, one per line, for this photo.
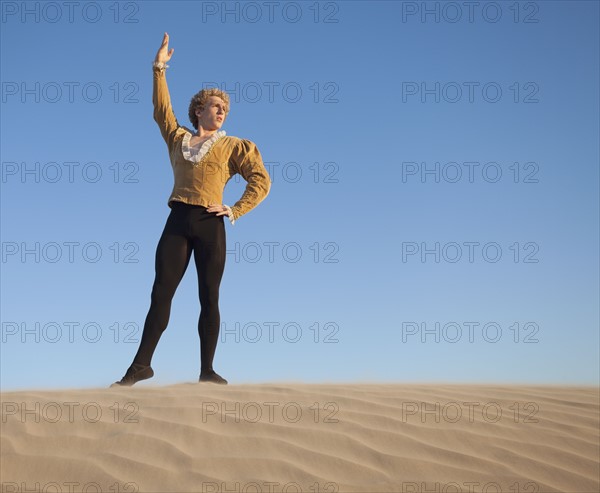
<point x="164" y="55"/>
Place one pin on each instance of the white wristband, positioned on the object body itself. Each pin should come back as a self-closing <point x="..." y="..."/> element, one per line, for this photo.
<point x="160" y="65"/>
<point x="231" y="220"/>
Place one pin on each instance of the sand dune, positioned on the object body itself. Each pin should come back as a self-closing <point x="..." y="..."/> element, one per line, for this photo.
<point x="302" y="437"/>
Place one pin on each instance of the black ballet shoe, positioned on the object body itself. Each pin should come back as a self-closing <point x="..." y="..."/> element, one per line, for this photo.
<point x="135" y="373"/>
<point x="212" y="377"/>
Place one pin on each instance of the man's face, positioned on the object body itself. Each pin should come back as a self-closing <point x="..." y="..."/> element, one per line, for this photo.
<point x="213" y="115"/>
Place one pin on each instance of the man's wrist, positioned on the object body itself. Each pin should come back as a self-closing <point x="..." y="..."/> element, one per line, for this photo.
<point x="159" y="65"/>
<point x="231" y="215"/>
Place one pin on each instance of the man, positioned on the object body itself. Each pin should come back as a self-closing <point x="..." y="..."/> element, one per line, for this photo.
<point x="203" y="162"/>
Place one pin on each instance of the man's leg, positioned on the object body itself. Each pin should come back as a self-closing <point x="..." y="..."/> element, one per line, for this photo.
<point x="172" y="258"/>
<point x="209" y="243"/>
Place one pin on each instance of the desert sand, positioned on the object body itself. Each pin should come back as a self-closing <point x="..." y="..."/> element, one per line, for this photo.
<point x="331" y="437"/>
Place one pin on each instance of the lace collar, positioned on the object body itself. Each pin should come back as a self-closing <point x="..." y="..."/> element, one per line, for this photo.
<point x="206" y="146"/>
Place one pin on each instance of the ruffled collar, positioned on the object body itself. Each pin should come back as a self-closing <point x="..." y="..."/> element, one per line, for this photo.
<point x="206" y="146"/>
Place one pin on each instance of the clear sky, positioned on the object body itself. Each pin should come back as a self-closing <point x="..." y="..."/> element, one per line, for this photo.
<point x="434" y="208"/>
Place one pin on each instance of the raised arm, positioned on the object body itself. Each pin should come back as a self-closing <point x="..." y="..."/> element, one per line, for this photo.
<point x="163" y="112"/>
<point x="248" y="162"/>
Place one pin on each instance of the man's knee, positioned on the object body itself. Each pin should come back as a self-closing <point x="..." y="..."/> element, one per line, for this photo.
<point x="209" y="297"/>
<point x="162" y="293"/>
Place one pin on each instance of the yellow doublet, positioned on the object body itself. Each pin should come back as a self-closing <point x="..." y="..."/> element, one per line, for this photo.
<point x="200" y="178"/>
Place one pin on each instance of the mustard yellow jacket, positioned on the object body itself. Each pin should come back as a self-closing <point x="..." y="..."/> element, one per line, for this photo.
<point x="200" y="179"/>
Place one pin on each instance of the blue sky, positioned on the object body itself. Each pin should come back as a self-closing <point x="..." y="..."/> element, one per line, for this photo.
<point x="433" y="215"/>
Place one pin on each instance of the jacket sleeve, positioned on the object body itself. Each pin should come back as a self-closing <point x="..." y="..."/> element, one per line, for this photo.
<point x="247" y="161"/>
<point x="163" y="112"/>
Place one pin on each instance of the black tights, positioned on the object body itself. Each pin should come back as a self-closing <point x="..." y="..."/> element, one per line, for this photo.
<point x="188" y="228"/>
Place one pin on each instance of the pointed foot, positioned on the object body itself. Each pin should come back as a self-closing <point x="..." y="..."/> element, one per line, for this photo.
<point x="212" y="377"/>
<point x="135" y="373"/>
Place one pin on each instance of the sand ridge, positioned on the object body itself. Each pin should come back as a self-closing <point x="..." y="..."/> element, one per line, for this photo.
<point x="362" y="437"/>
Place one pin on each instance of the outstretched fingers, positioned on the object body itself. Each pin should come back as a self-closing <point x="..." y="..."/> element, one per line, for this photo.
<point x="164" y="54"/>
